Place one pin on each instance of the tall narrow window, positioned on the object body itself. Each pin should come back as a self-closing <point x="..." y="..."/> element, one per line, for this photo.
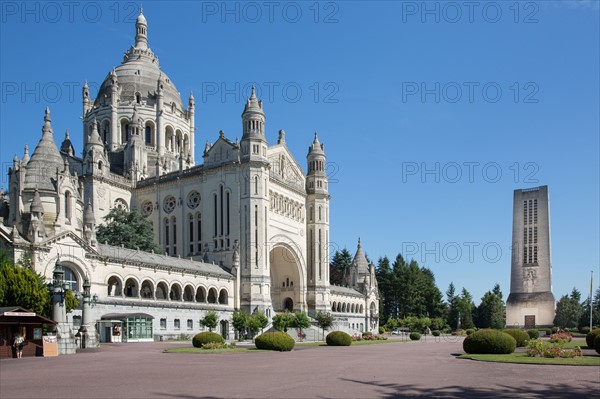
<point x="191" y="226"/>
<point x="320" y="254"/>
<point x="68" y="206"/>
<point x="535" y="211"/>
<point x="167" y="236"/>
<point x="215" y="213"/>
<point x="524" y="212"/>
<point x="221" y="206"/>
<point x="148" y="132"/>
<point x="255" y="184"/>
<point x="227" y="204"/>
<point x="524" y="255"/>
<point x="530" y="211"/>
<point x="535" y="235"/>
<point x="174" y="228"/>
<point x="199" y="233"/>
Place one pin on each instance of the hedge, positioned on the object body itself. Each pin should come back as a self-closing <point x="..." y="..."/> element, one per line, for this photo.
<point x="206" y="337"/>
<point x="597" y="343"/>
<point x="590" y="337"/>
<point x="275" y="341"/>
<point x="415" y="336"/>
<point x="584" y="329"/>
<point x="435" y="333"/>
<point x="533" y="334"/>
<point x="469" y="331"/>
<point x="489" y="342"/>
<point x="338" y="338"/>
<point x="519" y="335"/>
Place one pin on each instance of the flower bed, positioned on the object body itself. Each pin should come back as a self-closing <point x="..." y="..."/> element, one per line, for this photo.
<point x="561" y="337"/>
<point x="538" y="348"/>
<point x="369" y="337"/>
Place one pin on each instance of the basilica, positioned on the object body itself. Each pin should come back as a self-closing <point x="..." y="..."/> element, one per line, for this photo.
<point x="247" y="228"/>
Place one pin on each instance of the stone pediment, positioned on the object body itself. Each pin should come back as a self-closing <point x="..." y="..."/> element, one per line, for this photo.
<point x="221" y="152"/>
<point x="69" y="238"/>
<point x="284" y="166"/>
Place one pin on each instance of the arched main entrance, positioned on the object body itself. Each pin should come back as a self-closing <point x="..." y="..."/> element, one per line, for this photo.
<point x="286" y="283"/>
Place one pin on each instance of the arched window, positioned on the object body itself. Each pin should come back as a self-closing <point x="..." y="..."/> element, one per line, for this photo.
<point x="148" y="135"/>
<point x="138" y="98"/>
<point x="161" y="291"/>
<point x="175" y="294"/>
<point x="115" y="286"/>
<point x="188" y="293"/>
<point x="333" y="307"/>
<point x="71" y="279"/>
<point x="147" y="290"/>
<point x="131" y="288"/>
<point x="124" y="131"/>
<point x="223" y="297"/>
<point x="212" y="295"/>
<point x="200" y="294"/>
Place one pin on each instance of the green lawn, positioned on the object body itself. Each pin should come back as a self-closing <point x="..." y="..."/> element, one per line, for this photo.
<point x="523" y="358"/>
<point x="576" y="342"/>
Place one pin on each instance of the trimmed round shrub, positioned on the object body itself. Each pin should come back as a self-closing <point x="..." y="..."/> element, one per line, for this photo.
<point x="548" y="332"/>
<point x="207" y="337"/>
<point x="469" y="331"/>
<point x="338" y="338"/>
<point x="519" y="335"/>
<point x="436" y="333"/>
<point x="584" y="329"/>
<point x="590" y="338"/>
<point x="597" y="344"/>
<point x="533" y="334"/>
<point x="489" y="342"/>
<point x="554" y="330"/>
<point x="381" y="330"/>
<point x="275" y="341"/>
<point x="415" y="336"/>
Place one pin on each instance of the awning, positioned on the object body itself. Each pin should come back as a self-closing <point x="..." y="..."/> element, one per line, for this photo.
<point x="19" y="315"/>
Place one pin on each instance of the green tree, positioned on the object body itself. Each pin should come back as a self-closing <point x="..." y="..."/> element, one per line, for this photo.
<point x="300" y="320"/>
<point x="130" y="229"/>
<point x="257" y="322"/>
<point x="383" y="273"/>
<point x="239" y="320"/>
<point x="324" y="321"/>
<point x="70" y="301"/>
<point x="490" y="312"/>
<point x="466" y="306"/>
<point x="453" y="308"/>
<point x="21" y="286"/>
<point x="568" y="310"/>
<point x="584" y="320"/>
<point x="341" y="262"/>
<point x="210" y="320"/>
<point x="281" y="321"/>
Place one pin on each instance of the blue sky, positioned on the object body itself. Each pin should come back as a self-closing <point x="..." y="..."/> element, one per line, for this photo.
<point x="432" y="113"/>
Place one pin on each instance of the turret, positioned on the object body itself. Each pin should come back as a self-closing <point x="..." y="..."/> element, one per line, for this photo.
<point x="37" y="231"/>
<point x="317" y="205"/>
<point x="141" y="31"/>
<point x="254" y="144"/>
<point x="85" y="93"/>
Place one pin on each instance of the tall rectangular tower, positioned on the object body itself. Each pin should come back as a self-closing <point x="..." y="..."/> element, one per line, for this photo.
<point x="531" y="302"/>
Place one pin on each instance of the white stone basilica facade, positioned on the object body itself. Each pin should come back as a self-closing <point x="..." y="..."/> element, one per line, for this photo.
<point x="246" y="229"/>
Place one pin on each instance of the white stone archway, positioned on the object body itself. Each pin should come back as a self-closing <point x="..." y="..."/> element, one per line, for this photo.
<point x="288" y="288"/>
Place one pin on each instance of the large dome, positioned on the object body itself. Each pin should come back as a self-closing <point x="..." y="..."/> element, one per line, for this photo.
<point x="139" y="74"/>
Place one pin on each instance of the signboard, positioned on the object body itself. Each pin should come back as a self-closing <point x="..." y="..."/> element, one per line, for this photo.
<point x="27" y="314"/>
<point x="50" y="346"/>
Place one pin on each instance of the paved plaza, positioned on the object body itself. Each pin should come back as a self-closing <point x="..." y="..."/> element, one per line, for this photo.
<point x="391" y="370"/>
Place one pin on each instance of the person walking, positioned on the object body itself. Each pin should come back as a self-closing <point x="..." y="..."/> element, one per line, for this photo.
<point x="18" y="344"/>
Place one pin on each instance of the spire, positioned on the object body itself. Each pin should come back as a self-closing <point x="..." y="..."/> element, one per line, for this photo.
<point x="67" y="147"/>
<point x="141" y="31"/>
<point x="360" y="260"/>
<point x="94" y="138"/>
<point x="45" y="160"/>
<point x="25" y="156"/>
<point x="316" y="148"/>
<point x="281" y="139"/>
<point x="36" y="203"/>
